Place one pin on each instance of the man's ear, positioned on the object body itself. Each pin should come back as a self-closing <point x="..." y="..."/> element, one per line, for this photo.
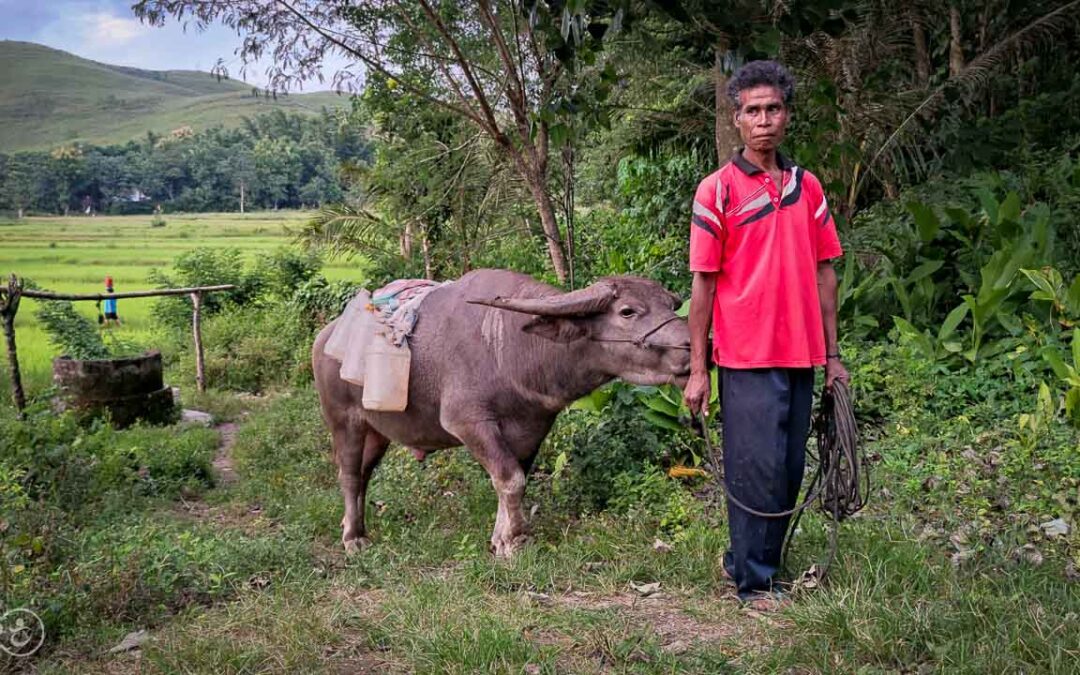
<point x="560" y="330"/>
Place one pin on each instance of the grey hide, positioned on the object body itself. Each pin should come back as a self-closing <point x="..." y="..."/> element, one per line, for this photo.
<point x="494" y="376"/>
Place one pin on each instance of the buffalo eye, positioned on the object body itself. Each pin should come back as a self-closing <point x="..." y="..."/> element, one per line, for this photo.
<point x="627" y="312"/>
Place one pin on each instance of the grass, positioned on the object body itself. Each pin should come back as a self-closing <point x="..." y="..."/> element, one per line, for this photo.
<point x="129" y="530"/>
<point x="250" y="578"/>
<point x="50" y="97"/>
<point x="74" y="254"/>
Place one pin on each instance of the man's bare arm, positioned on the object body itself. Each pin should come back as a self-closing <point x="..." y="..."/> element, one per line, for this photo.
<point x="827" y="289"/>
<point x="702" y="295"/>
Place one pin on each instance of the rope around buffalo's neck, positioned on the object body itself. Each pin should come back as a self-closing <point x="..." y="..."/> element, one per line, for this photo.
<point x="841" y="481"/>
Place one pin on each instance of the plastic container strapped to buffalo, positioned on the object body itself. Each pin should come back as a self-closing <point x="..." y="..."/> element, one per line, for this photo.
<point x="386" y="373"/>
<point x="337" y="345"/>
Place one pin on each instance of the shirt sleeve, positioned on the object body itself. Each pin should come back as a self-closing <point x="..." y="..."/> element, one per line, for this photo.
<point x="707" y="229"/>
<point x="828" y="243"/>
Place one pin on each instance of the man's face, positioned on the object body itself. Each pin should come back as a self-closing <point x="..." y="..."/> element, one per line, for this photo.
<point x="762" y="117"/>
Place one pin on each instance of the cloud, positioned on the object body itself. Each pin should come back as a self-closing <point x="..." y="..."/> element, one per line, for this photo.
<point x="105" y="30"/>
<point x="108" y="31"/>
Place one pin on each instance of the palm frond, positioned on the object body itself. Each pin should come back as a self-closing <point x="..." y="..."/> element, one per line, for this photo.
<point x="976" y="75"/>
<point x="344" y="230"/>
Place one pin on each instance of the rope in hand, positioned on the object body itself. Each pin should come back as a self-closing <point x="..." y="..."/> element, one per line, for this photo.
<point x="841" y="481"/>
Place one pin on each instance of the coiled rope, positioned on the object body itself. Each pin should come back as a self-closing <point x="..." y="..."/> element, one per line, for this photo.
<point x="841" y="480"/>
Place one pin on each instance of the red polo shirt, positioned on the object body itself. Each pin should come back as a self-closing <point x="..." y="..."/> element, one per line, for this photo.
<point x="765" y="241"/>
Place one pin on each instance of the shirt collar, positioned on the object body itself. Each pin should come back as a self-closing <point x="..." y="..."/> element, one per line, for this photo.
<point x="749" y="168"/>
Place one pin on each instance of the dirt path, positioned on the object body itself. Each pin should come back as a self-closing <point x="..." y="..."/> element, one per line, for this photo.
<point x="223" y="464"/>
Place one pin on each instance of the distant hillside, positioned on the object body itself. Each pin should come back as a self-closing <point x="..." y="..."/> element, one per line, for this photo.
<point x="49" y="97"/>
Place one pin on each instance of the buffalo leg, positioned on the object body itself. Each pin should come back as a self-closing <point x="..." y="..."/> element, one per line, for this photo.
<point x="507" y="476"/>
<point x="359" y="450"/>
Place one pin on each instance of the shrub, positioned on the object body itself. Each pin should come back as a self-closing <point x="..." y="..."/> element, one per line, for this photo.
<point x="649" y="495"/>
<point x="318" y="301"/>
<point x="69" y="331"/>
<point x="276" y="276"/>
<point x="251" y="349"/>
<point x="273" y="278"/>
<point x="200" y="267"/>
<point x="588" y="451"/>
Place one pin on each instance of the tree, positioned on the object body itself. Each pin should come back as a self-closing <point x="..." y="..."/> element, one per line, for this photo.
<point x="22" y="181"/>
<point x="66" y="167"/>
<point x="240" y="167"/>
<point x="718" y="37"/>
<point x="435" y="187"/>
<point x="506" y="66"/>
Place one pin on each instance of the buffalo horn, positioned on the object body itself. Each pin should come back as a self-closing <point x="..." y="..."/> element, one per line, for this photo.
<point x="591" y="300"/>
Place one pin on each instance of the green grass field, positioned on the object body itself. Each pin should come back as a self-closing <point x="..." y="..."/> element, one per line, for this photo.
<point x="75" y="254"/>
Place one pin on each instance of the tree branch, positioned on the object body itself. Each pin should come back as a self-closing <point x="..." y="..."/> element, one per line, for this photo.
<point x="378" y="67"/>
<point x="478" y="91"/>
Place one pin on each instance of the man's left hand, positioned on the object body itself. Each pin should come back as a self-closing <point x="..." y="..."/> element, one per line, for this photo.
<point x="835" y="370"/>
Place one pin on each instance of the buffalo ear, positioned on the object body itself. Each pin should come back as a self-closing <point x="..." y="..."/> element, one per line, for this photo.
<point x="555" y="329"/>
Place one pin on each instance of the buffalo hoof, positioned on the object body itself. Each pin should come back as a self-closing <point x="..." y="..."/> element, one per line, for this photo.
<point x="505" y="549"/>
<point x="354" y="546"/>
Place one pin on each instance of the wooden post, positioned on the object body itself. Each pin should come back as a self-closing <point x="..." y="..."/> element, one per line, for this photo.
<point x="9" y="305"/>
<point x="196" y="327"/>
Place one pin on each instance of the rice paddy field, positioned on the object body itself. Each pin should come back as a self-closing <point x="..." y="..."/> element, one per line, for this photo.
<point x="75" y="254"/>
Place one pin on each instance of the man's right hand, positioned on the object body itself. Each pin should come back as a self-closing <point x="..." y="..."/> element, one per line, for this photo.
<point x="696" y="393"/>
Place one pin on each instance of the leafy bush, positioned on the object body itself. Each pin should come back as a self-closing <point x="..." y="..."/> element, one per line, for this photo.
<point x="272" y="279"/>
<point x="276" y="276"/>
<point x="974" y="450"/>
<point x="200" y="267"/>
<point x="650" y="495"/>
<point x="56" y="476"/>
<point x="70" y="332"/>
<point x="587" y="452"/>
<point x="72" y="467"/>
<point x="318" y="301"/>
<point x="251" y="349"/>
<point x="646" y="231"/>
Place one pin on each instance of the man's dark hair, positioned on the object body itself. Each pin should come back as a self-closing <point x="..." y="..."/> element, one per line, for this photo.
<point x="757" y="73"/>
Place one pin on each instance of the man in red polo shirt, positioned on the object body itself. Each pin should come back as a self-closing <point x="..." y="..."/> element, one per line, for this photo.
<point x="761" y="242"/>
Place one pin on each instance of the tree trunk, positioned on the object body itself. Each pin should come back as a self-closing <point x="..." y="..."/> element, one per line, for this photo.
<point x="241" y="196"/>
<point x="551" y="233"/>
<point x="550" y="224"/>
<point x="922" y="53"/>
<point x="9" y="306"/>
<point x="956" y="47"/>
<point x="13" y="364"/>
<point x="568" y="208"/>
<point x="405" y="242"/>
<point x="726" y="135"/>
<point x="425" y="247"/>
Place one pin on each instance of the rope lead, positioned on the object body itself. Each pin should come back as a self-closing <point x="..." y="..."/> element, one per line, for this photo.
<point x="841" y="481"/>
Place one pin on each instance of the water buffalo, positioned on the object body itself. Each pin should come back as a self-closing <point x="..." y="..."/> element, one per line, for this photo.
<point x="496" y="356"/>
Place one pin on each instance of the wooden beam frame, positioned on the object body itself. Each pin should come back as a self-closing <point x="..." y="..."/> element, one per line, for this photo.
<point x="14" y="292"/>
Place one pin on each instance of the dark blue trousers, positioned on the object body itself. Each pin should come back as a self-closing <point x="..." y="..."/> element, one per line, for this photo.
<point x="766" y="416"/>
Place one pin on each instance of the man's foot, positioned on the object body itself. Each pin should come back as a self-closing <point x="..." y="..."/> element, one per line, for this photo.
<point x="726" y="574"/>
<point x="766" y="601"/>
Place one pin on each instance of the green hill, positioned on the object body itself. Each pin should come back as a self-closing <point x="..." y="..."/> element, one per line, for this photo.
<point x="49" y="97"/>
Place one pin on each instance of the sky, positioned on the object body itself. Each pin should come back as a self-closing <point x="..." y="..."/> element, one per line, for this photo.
<point x="108" y="31"/>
